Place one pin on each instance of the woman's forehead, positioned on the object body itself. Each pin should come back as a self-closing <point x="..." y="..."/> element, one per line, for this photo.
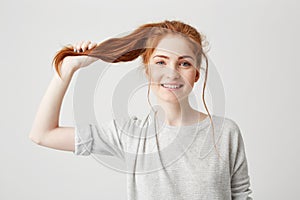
<point x="173" y="46"/>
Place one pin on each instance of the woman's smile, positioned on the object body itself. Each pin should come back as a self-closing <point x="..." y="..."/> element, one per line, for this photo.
<point x="172" y="87"/>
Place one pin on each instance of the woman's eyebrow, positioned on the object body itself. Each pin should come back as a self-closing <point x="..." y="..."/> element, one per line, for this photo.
<point x="180" y="57"/>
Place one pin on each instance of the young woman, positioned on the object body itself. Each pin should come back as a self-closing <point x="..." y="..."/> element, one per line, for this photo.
<point x="176" y="152"/>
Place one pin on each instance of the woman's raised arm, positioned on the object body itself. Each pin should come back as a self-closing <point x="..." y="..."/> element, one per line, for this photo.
<point x="45" y="130"/>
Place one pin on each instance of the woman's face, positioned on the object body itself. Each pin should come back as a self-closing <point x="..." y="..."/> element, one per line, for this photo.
<point x="172" y="69"/>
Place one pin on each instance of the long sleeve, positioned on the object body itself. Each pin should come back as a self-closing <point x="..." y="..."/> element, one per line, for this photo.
<point x="240" y="180"/>
<point x="101" y="139"/>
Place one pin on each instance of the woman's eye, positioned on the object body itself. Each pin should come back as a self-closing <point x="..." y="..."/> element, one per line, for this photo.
<point x="160" y="62"/>
<point x="185" y="64"/>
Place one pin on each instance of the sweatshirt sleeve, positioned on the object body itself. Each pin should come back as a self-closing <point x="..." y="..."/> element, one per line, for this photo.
<point x="240" y="180"/>
<point x="101" y="139"/>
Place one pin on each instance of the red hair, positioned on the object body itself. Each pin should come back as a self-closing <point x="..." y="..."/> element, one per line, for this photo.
<point x="141" y="42"/>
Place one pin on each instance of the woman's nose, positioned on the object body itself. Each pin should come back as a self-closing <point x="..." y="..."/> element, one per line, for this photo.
<point x="172" y="72"/>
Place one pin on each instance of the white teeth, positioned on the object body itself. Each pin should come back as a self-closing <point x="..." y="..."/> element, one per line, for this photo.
<point x="171" y="86"/>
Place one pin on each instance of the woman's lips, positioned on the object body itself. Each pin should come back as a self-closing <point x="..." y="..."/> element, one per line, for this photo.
<point x="172" y="86"/>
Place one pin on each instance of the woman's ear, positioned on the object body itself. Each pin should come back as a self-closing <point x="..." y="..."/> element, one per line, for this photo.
<point x="197" y="75"/>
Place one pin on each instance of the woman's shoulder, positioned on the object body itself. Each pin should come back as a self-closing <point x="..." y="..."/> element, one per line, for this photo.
<point x="231" y="124"/>
<point x="227" y="125"/>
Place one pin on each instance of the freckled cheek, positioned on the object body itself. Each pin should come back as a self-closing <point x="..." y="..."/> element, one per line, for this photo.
<point x="156" y="77"/>
<point x="189" y="79"/>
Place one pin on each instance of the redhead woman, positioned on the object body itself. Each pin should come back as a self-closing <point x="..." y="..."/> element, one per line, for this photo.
<point x="176" y="151"/>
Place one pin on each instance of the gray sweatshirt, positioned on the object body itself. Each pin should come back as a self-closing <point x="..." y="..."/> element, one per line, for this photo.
<point x="165" y="162"/>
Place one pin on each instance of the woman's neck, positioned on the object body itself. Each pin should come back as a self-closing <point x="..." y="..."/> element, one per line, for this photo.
<point x="176" y="114"/>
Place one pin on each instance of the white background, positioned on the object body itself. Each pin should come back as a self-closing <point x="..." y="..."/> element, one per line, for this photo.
<point x="254" y="46"/>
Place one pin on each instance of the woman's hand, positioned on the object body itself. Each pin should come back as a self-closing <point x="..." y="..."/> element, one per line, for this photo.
<point x="76" y="62"/>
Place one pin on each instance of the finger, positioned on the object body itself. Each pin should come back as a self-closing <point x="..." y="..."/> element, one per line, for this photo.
<point x="78" y="46"/>
<point x="75" y="47"/>
<point x="84" y="45"/>
<point x="92" y="45"/>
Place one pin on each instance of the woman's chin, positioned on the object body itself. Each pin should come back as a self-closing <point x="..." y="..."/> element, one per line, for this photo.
<point x="171" y="98"/>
